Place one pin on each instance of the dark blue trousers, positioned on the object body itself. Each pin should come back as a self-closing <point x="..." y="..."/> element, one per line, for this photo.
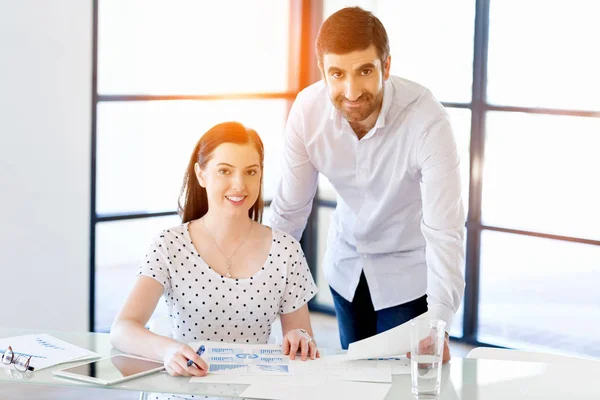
<point x="358" y="319"/>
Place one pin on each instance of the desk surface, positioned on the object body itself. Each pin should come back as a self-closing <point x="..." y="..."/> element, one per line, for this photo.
<point x="464" y="379"/>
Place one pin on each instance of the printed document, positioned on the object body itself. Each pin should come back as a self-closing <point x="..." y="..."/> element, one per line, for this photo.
<point x="244" y="359"/>
<point x="45" y="350"/>
<point x="389" y="343"/>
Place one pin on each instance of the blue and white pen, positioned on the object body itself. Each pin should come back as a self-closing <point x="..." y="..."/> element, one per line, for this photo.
<point x="200" y="351"/>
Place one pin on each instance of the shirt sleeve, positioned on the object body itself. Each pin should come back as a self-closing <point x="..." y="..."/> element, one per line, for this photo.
<point x="299" y="284"/>
<point x="443" y="219"/>
<point x="292" y="203"/>
<point x="155" y="264"/>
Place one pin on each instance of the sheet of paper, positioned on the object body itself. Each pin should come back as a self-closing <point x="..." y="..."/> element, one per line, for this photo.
<point x="399" y="365"/>
<point x="259" y="379"/>
<point x="45" y="350"/>
<point x="389" y="343"/>
<point x="338" y="368"/>
<point x="244" y="359"/>
<point x="322" y="391"/>
<point x="323" y="370"/>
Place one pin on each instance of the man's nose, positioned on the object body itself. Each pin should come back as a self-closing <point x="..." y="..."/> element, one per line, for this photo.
<point x="353" y="91"/>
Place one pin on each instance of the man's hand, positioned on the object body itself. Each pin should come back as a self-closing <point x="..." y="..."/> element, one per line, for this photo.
<point x="426" y="343"/>
<point x="446" y="356"/>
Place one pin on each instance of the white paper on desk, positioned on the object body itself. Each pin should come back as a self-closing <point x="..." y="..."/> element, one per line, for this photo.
<point x="244" y="359"/>
<point x="327" y="391"/>
<point x="45" y="350"/>
<point x="310" y="372"/>
<point x="336" y="367"/>
<point x="259" y="380"/>
<point x="386" y="344"/>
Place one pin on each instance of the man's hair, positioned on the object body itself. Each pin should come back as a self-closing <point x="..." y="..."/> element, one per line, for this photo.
<point x="351" y="29"/>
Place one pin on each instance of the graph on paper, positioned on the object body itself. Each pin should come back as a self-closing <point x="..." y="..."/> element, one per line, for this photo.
<point x="236" y="359"/>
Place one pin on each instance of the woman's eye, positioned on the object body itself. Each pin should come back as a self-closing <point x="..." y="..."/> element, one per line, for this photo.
<point x="223" y="171"/>
<point x="252" y="172"/>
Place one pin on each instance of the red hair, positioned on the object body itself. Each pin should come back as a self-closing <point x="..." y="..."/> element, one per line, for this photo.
<point x="193" y="201"/>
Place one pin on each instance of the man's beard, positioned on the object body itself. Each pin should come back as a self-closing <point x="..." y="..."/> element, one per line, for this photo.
<point x="369" y="105"/>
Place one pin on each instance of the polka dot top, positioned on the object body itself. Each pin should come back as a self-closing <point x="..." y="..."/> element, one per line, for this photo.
<point x="203" y="305"/>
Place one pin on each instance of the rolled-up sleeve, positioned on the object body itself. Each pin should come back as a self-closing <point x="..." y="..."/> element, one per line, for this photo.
<point x="443" y="219"/>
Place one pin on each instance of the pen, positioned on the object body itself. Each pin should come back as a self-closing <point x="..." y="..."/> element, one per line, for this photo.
<point x="200" y="351"/>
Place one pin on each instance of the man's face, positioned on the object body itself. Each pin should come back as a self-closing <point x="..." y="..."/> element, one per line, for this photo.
<point x="355" y="81"/>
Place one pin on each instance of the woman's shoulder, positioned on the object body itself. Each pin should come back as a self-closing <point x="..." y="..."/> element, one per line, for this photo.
<point x="172" y="235"/>
<point x="285" y="240"/>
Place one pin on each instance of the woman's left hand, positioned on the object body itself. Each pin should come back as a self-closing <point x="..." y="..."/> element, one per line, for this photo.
<point x="298" y="340"/>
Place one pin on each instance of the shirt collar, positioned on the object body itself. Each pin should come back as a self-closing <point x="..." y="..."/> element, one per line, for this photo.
<point x="388" y="95"/>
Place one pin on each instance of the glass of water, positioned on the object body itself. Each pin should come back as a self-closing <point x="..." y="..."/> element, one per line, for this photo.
<point x="427" y="349"/>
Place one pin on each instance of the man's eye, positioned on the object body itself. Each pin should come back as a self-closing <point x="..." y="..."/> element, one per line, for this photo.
<point x="337" y="75"/>
<point x="366" y="72"/>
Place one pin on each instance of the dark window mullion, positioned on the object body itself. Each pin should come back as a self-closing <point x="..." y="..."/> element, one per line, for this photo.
<point x="225" y="96"/>
<point x="472" y="266"/>
<point x="545" y="111"/>
<point x="540" y="235"/>
<point x="94" y="147"/>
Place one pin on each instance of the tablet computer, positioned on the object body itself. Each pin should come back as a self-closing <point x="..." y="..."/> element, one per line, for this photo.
<point x="115" y="369"/>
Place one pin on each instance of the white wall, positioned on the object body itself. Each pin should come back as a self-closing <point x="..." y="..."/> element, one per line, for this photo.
<point x="45" y="125"/>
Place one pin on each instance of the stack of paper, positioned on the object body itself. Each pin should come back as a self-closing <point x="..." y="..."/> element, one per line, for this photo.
<point x="364" y="372"/>
<point x="315" y="379"/>
<point x="45" y="350"/>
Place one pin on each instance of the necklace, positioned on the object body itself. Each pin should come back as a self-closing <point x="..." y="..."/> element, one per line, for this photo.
<point x="227" y="259"/>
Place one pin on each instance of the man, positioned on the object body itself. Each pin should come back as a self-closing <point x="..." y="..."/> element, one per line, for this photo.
<point x="395" y="244"/>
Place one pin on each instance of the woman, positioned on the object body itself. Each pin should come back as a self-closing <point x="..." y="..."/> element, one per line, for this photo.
<point x="224" y="275"/>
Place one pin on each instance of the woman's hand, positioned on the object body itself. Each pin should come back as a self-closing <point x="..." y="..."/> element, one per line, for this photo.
<point x="298" y="340"/>
<point x="176" y="357"/>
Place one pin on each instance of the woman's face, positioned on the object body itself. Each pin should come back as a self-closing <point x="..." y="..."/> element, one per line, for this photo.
<point x="232" y="178"/>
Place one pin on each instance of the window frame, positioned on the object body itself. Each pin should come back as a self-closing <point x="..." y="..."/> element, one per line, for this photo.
<point x="305" y="19"/>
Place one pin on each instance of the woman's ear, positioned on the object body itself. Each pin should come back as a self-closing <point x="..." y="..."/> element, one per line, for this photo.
<point x="199" y="175"/>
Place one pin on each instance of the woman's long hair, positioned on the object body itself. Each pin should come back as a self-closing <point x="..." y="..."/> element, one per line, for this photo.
<point x="193" y="201"/>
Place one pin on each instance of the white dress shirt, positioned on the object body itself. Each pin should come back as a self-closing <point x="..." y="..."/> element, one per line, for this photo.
<point x="399" y="215"/>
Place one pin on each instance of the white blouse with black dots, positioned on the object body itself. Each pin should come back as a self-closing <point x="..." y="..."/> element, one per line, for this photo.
<point x="203" y="305"/>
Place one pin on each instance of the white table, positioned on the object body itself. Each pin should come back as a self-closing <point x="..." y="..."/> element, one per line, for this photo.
<point x="464" y="379"/>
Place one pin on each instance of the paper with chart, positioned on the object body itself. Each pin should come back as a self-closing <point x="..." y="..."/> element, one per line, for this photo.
<point x="240" y="359"/>
<point x="45" y="350"/>
<point x="389" y="343"/>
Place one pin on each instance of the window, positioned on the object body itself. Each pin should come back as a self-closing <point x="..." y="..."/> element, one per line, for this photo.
<point x="541" y="54"/>
<point x="525" y="73"/>
<point x="188" y="47"/>
<point x="539" y="171"/>
<point x="120" y="248"/>
<point x="521" y="95"/>
<point x="145" y="146"/>
<point x="166" y="73"/>
<point x="538" y="292"/>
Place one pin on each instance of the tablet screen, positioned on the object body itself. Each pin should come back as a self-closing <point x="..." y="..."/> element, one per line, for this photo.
<point x="114" y="368"/>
